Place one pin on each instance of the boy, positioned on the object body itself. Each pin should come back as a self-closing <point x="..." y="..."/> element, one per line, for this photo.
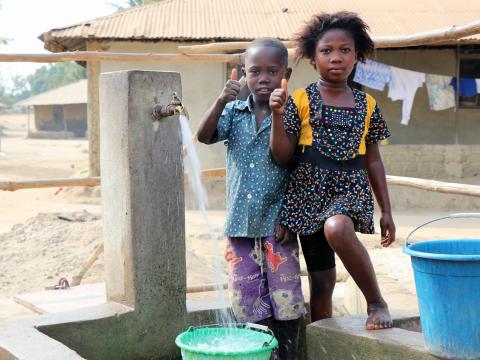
<point x="264" y="276"/>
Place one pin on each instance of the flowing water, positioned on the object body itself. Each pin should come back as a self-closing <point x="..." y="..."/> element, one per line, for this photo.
<point x="192" y="167"/>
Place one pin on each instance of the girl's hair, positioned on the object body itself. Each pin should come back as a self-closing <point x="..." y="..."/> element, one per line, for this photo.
<point x="318" y="25"/>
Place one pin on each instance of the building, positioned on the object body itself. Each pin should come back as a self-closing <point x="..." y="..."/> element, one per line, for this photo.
<point x="161" y="27"/>
<point x="60" y="109"/>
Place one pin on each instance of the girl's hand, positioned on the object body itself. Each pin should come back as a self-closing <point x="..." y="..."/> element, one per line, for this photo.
<point x="282" y="234"/>
<point x="278" y="98"/>
<point x="231" y="89"/>
<point x="387" y="229"/>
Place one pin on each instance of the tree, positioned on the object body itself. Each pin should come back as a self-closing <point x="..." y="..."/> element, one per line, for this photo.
<point x="51" y="76"/>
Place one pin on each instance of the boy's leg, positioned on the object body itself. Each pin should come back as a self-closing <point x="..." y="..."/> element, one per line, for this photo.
<point x="246" y="281"/>
<point x="320" y="260"/>
<point x="340" y="234"/>
<point x="287" y="333"/>
<point x="283" y="272"/>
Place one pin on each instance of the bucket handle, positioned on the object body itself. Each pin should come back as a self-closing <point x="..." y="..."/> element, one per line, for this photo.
<point x="450" y="216"/>
<point x="261" y="328"/>
<point x="248" y="325"/>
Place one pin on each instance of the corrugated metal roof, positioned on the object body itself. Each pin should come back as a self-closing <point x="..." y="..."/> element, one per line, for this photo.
<point x="249" y="19"/>
<point x="75" y="93"/>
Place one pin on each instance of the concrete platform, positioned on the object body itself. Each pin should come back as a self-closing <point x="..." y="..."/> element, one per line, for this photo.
<point x="55" y="301"/>
<point x="347" y="338"/>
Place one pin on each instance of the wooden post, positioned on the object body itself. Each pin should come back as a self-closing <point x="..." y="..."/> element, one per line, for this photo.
<point x="457" y="91"/>
<point x="93" y="111"/>
<point x="28" y="121"/>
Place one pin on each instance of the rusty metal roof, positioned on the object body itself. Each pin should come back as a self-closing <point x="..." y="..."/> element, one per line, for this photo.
<point x="203" y="20"/>
<point x="75" y="93"/>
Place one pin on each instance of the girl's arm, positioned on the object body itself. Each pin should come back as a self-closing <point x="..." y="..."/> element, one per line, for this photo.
<point x="282" y="145"/>
<point x="376" y="175"/>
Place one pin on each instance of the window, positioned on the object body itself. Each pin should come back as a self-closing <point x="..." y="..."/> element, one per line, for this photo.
<point x="470" y="68"/>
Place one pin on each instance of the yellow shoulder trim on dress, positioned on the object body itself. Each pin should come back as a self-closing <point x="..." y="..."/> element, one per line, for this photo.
<point x="371" y="103"/>
<point x="300" y="98"/>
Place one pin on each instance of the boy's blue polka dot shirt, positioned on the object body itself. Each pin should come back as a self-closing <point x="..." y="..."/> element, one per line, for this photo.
<point x="255" y="185"/>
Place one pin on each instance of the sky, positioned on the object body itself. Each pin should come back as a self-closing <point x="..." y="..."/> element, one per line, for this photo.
<point x="23" y="21"/>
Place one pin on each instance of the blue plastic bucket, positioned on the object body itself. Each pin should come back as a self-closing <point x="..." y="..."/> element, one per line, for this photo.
<point x="447" y="279"/>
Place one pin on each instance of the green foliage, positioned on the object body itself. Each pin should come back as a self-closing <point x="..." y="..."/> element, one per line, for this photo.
<point x="51" y="76"/>
<point x="45" y="78"/>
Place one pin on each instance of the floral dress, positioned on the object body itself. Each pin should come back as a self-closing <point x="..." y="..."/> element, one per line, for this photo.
<point x="316" y="193"/>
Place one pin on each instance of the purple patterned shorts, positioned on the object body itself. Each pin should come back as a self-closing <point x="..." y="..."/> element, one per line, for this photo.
<point x="264" y="279"/>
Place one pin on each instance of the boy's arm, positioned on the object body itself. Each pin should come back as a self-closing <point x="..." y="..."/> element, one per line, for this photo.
<point x="376" y="175"/>
<point x="208" y="126"/>
<point x="282" y="145"/>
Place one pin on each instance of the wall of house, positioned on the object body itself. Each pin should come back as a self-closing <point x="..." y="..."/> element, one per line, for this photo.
<point x="76" y="117"/>
<point x="43" y="115"/>
<point x="426" y="126"/>
<point x="202" y="82"/>
<point x="74" y="114"/>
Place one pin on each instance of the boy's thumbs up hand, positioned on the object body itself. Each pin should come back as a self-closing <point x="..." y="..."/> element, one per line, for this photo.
<point x="231" y="89"/>
<point x="234" y="74"/>
<point x="279" y="97"/>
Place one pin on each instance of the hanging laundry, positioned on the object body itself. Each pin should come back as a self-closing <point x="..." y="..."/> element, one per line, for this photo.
<point x="372" y="74"/>
<point x="468" y="86"/>
<point x="441" y="95"/>
<point x="477" y="81"/>
<point x="402" y="86"/>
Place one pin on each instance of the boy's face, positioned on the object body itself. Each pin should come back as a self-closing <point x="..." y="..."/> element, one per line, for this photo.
<point x="264" y="70"/>
<point x="335" y="55"/>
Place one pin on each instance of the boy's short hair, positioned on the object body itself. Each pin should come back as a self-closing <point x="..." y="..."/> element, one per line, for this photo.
<point x="269" y="42"/>
<point x="318" y="25"/>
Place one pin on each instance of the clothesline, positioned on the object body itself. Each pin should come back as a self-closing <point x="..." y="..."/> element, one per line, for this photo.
<point x="403" y="85"/>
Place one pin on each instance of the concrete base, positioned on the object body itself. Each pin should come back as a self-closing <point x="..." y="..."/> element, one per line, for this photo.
<point x="346" y="338"/>
<point x="51" y="336"/>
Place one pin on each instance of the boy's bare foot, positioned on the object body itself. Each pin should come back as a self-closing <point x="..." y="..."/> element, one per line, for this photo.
<point x="378" y="316"/>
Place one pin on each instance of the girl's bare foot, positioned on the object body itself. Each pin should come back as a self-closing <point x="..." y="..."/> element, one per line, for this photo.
<point x="378" y="316"/>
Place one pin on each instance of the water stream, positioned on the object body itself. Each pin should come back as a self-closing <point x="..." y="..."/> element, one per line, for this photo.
<point x="192" y="167"/>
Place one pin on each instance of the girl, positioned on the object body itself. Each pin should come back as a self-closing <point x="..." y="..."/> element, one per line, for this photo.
<point x="333" y="131"/>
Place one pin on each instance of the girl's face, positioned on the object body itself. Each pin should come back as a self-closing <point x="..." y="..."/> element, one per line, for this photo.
<point x="335" y="56"/>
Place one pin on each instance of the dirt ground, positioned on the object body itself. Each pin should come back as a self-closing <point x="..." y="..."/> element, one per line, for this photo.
<point x="46" y="234"/>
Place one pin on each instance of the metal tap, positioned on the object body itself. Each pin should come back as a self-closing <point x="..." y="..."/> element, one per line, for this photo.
<point x="175" y="107"/>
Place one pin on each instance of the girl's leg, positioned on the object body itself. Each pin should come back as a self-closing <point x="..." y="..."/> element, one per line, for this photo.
<point x="320" y="260"/>
<point x="322" y="284"/>
<point x="340" y="234"/>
